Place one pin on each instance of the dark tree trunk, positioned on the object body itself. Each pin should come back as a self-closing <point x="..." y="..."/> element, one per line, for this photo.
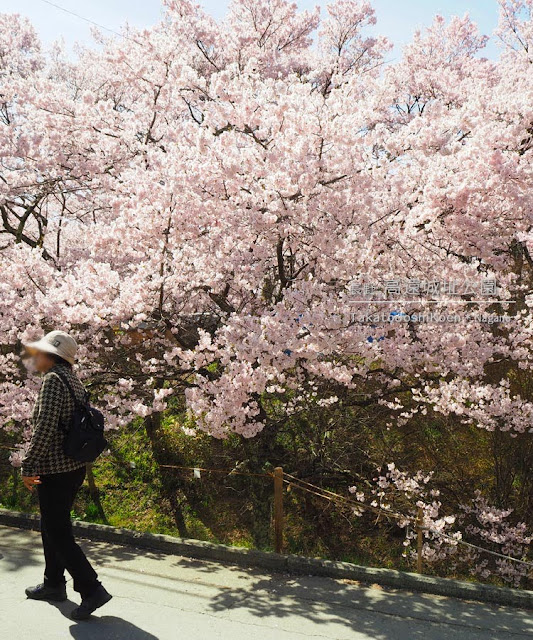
<point x="170" y="482"/>
<point x="94" y="492"/>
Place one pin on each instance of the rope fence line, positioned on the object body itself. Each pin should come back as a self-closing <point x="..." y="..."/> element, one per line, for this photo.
<point x="333" y="497"/>
<point x="224" y="471"/>
<point x="294" y="482"/>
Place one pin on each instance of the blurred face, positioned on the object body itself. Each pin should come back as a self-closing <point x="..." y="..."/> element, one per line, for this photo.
<point x="42" y="362"/>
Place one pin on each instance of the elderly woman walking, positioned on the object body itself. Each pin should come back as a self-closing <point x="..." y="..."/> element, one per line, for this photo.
<point x="58" y="477"/>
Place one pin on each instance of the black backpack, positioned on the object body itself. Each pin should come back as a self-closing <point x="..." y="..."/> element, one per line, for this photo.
<point x="84" y="437"/>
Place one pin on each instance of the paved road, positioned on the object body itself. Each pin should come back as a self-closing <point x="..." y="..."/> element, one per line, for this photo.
<point x="160" y="597"/>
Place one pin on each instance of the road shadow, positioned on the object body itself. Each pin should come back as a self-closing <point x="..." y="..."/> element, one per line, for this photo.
<point x="101" y="552"/>
<point x="337" y="607"/>
<point x="17" y="555"/>
<point x="22" y="554"/>
<point x="101" y="627"/>
<point x="362" y="608"/>
<point x="109" y="628"/>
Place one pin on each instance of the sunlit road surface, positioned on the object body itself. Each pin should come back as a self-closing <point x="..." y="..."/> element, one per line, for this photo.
<point x="169" y="597"/>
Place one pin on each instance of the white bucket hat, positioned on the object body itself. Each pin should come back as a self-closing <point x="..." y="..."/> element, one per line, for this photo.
<point x="56" y="342"/>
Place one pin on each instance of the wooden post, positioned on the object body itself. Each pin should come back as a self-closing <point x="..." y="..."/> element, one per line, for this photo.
<point x="419" y="539"/>
<point x="278" y="510"/>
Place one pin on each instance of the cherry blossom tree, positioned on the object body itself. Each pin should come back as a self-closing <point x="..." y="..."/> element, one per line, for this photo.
<point x="194" y="201"/>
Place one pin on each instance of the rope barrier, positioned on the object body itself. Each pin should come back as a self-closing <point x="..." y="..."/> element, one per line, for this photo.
<point x="224" y="471"/>
<point x="331" y="497"/>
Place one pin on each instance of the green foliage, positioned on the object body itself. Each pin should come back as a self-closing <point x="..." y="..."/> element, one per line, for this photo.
<point x="333" y="447"/>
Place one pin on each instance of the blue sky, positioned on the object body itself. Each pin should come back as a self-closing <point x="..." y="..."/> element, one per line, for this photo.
<point x="397" y="19"/>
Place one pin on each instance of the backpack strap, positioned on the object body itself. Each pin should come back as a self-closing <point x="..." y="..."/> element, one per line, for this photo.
<point x="67" y="384"/>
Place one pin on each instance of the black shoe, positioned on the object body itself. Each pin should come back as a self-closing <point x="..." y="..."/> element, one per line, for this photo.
<point x="91" y="603"/>
<point x="45" y="592"/>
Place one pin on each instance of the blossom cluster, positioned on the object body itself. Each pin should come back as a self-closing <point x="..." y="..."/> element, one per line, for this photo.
<point x="192" y="200"/>
<point x="412" y="502"/>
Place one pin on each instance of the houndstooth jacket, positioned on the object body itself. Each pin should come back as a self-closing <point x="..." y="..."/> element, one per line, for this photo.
<point x="51" y="415"/>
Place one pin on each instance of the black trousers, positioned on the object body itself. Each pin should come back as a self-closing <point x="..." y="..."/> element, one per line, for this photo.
<point x="56" y="497"/>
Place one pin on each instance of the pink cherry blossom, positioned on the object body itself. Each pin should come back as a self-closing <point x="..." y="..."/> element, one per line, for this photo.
<point x="193" y="200"/>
